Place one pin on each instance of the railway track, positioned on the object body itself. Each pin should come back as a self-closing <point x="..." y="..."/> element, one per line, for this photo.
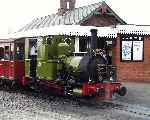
<point x="130" y="109"/>
<point x="121" y="107"/>
<point x="138" y="110"/>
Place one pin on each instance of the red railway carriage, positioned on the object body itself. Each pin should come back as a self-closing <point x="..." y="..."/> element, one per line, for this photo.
<point x="11" y="60"/>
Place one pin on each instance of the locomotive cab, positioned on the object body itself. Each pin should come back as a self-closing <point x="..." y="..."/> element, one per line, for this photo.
<point x="30" y="45"/>
<point x="57" y="69"/>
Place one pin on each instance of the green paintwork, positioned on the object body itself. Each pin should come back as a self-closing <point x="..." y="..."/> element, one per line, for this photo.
<point x="50" y="54"/>
<point x="46" y="59"/>
<point x="27" y="67"/>
<point x="72" y="63"/>
<point x="42" y="49"/>
<point x="59" y="66"/>
<point x="63" y="50"/>
<point x="47" y="70"/>
<point x="26" y="53"/>
<point x="27" y="48"/>
<point x="53" y="48"/>
<point x="27" y="60"/>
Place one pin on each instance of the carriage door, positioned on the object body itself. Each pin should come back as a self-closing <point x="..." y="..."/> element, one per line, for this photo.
<point x="8" y="61"/>
<point x="1" y="61"/>
<point x="19" y="54"/>
<point x="29" y="42"/>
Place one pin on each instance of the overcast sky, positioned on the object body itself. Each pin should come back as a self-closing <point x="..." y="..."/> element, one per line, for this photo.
<point x="16" y="13"/>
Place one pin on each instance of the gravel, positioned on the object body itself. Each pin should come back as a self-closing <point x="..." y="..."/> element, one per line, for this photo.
<point x="31" y="106"/>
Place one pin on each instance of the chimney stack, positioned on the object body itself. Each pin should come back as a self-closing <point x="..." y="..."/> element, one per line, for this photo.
<point x="66" y="5"/>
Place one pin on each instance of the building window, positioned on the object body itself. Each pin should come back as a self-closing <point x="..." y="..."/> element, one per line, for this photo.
<point x="132" y="47"/>
<point x="83" y="44"/>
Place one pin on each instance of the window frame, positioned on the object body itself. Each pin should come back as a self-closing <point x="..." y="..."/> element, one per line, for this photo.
<point x="135" y="37"/>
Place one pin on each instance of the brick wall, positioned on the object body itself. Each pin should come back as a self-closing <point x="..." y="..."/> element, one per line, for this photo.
<point x="133" y="71"/>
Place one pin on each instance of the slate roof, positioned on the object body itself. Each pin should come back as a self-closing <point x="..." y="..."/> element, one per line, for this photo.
<point x="73" y="17"/>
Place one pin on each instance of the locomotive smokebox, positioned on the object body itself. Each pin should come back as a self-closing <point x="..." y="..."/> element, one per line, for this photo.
<point x="93" y="38"/>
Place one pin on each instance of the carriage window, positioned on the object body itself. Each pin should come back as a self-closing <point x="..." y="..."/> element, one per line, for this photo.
<point x="32" y="47"/>
<point x="1" y="53"/>
<point x="7" y="53"/>
<point x="19" y="52"/>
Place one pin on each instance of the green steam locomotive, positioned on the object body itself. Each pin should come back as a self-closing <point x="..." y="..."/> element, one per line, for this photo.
<point x="49" y="63"/>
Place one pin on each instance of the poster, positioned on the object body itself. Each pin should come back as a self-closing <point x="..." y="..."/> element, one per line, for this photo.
<point x="126" y="50"/>
<point x="137" y="50"/>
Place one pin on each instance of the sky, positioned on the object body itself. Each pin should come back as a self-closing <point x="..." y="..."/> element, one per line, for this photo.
<point x="14" y="14"/>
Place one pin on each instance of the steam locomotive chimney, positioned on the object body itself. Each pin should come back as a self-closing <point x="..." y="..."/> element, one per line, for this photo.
<point x="93" y="38"/>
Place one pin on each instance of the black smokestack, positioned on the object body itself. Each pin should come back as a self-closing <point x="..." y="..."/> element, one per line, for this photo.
<point x="93" y="38"/>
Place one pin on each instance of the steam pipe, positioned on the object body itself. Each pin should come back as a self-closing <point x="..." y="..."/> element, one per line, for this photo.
<point x="94" y="39"/>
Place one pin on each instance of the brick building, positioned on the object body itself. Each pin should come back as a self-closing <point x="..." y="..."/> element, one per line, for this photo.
<point x="134" y="67"/>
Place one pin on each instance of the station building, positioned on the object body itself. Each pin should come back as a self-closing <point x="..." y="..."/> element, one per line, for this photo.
<point x="131" y="53"/>
<point x="128" y="44"/>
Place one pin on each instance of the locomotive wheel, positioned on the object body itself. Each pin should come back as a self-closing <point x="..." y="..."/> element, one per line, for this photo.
<point x="122" y="91"/>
